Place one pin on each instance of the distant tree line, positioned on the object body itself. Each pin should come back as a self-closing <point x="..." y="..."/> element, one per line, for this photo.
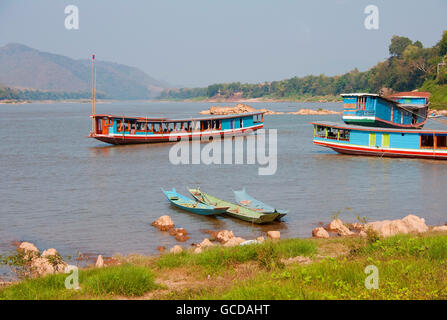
<point x="409" y="66"/>
<point x="7" y="93"/>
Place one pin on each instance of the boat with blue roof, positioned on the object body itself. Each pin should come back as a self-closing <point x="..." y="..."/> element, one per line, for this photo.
<point x="380" y="137"/>
<point x="406" y="110"/>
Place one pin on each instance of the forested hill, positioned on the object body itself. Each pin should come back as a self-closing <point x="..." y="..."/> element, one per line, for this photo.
<point x="46" y="74"/>
<point x="409" y="67"/>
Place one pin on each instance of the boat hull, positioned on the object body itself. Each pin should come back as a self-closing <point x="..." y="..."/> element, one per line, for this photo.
<point x="235" y="211"/>
<point x="247" y="201"/>
<point x="140" y="139"/>
<point x="190" y="205"/>
<point x="383" y="152"/>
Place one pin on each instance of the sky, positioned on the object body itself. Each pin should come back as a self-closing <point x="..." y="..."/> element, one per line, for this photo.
<point x="200" y="42"/>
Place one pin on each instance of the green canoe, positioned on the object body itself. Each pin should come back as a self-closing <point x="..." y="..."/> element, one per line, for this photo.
<point x="234" y="210"/>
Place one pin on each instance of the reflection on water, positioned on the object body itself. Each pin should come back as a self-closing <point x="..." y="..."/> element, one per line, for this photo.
<point x="62" y="190"/>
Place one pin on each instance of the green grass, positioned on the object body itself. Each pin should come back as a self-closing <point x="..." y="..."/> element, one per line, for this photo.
<point x="410" y="267"/>
<point x="215" y="259"/>
<point x="125" y="280"/>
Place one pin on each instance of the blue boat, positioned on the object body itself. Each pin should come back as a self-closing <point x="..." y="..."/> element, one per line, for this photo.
<point x="405" y="110"/>
<point x="190" y="205"/>
<point x="381" y="142"/>
<point x="245" y="200"/>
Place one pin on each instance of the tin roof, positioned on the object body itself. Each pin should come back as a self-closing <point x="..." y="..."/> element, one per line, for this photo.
<point x="410" y="94"/>
<point x="208" y="117"/>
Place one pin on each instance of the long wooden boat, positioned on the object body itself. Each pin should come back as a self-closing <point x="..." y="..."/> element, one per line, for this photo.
<point x="381" y="142"/>
<point x="190" y="205"/>
<point x="405" y="110"/>
<point x="245" y="200"/>
<point x="131" y="130"/>
<point x="234" y="210"/>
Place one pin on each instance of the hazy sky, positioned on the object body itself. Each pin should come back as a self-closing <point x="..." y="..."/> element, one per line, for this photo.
<point x="200" y="42"/>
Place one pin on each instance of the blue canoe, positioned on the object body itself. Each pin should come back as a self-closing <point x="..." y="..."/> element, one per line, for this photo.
<point x="245" y="200"/>
<point x="190" y="205"/>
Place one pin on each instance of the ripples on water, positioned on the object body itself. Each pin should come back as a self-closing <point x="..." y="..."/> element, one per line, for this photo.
<point x="59" y="189"/>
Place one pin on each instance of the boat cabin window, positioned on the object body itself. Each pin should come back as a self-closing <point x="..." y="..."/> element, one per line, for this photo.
<point x="241" y="123"/>
<point x="427" y="141"/>
<point x="344" y="134"/>
<point x="332" y="133"/>
<point x="320" y="131"/>
<point x="441" y="142"/>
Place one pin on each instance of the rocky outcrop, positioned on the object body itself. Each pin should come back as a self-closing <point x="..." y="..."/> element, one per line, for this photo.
<point x="48" y="262"/>
<point x="224" y="236"/>
<point x="180" y="234"/>
<point x="237" y="109"/>
<point x="319" y="112"/>
<point x="440" y="229"/>
<point x="176" y="249"/>
<point x="206" y="243"/>
<point x="164" y="223"/>
<point x="274" y="235"/>
<point x="260" y="239"/>
<point x="320" y="232"/>
<point x="29" y="250"/>
<point x="235" y="241"/>
<point x="99" y="262"/>
<point x="409" y="224"/>
<point x="337" y="226"/>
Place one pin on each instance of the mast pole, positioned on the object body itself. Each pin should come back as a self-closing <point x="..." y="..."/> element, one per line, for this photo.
<point x="94" y="95"/>
<point x="93" y="108"/>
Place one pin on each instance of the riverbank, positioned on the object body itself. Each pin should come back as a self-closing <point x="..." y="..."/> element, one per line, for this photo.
<point x="409" y="267"/>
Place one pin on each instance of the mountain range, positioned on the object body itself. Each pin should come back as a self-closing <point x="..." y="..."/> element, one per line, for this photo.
<point x="22" y="67"/>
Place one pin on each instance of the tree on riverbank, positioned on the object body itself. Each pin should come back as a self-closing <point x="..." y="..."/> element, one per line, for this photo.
<point x="409" y="67"/>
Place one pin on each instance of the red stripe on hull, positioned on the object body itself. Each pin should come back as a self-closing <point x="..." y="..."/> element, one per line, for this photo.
<point x="382" y="152"/>
<point x="120" y="140"/>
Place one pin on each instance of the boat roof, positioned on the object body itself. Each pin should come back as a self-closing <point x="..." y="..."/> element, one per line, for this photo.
<point x="216" y="117"/>
<point x="359" y="94"/>
<point x="410" y="94"/>
<point x="391" y="98"/>
<point x="340" y="125"/>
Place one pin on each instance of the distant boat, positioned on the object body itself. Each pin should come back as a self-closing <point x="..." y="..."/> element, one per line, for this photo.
<point x="405" y="110"/>
<point x="381" y="142"/>
<point x="132" y="130"/>
<point x="245" y="200"/>
<point x="234" y="210"/>
<point x="190" y="205"/>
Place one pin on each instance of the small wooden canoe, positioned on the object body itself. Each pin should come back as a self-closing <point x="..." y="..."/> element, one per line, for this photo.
<point x="245" y="200"/>
<point x="234" y="210"/>
<point x="190" y="205"/>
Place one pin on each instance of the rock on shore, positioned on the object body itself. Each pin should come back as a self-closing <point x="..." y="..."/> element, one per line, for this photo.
<point x="319" y="112"/>
<point x="237" y="109"/>
<point x="164" y="223"/>
<point x="48" y="262"/>
<point x="409" y="224"/>
<point x="384" y="228"/>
